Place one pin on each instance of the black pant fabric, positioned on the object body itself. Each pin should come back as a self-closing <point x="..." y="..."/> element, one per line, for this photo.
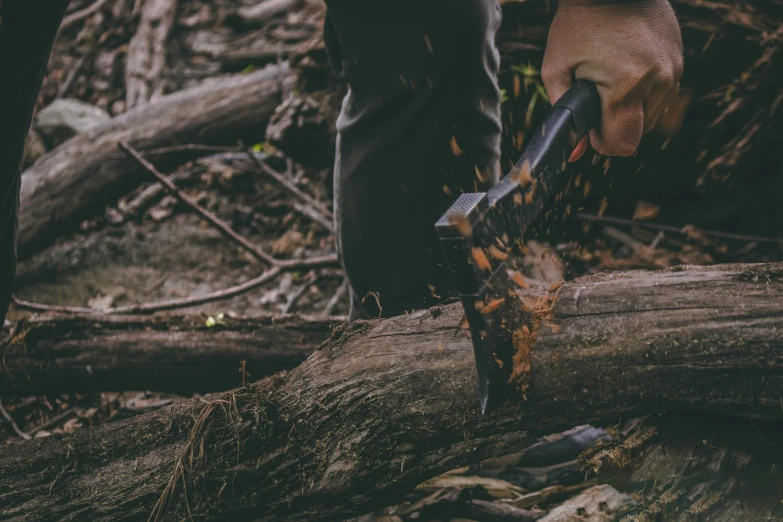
<point x="27" y="33"/>
<point x="420" y="124"/>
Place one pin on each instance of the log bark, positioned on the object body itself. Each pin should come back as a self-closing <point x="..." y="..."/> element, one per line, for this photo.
<point x="146" y="58"/>
<point x="385" y="405"/>
<point x="56" y="354"/>
<point x="79" y="178"/>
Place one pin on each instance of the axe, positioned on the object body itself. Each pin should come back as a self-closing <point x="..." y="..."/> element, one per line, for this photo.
<point x="477" y="231"/>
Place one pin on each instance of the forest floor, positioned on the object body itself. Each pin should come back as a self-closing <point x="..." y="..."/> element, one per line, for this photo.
<point x="167" y="251"/>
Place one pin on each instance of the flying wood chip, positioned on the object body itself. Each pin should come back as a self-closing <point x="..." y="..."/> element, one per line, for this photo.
<point x="481" y="259"/>
<point x="490" y="306"/>
<point x="519" y="279"/>
<point x="497" y="254"/>
<point x="455" y="147"/>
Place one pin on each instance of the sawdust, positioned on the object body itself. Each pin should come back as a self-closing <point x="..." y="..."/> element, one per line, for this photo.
<point x="524" y="338"/>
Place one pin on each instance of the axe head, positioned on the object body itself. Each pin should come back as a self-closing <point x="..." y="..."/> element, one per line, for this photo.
<point x="479" y="229"/>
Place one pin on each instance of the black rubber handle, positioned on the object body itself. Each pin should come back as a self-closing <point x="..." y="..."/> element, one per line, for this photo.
<point x="583" y="101"/>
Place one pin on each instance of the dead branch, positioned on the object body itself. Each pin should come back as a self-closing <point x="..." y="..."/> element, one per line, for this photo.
<point x="171" y="304"/>
<point x="289" y="185"/>
<point x="220" y="225"/>
<point x="85" y="353"/>
<point x="388" y="404"/>
<point x="10" y="420"/>
<point x="81" y="15"/>
<point x="147" y="52"/>
<point x="79" y="178"/>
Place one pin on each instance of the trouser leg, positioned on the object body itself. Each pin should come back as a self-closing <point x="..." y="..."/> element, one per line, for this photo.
<point x="27" y="32"/>
<point x="420" y="124"/>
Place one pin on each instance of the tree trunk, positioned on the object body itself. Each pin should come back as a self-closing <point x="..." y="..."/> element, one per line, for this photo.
<point x="388" y="404"/>
<point x="80" y="177"/>
<point x="164" y="353"/>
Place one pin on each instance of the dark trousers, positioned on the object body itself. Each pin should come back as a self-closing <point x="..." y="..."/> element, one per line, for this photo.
<point x="26" y="36"/>
<point x="420" y="124"/>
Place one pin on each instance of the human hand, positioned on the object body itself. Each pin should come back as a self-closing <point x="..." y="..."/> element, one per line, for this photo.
<point x="631" y="50"/>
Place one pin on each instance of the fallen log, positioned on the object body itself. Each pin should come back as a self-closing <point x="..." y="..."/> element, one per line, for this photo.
<point x="77" y="180"/>
<point x="386" y="405"/>
<point x="146" y="58"/>
<point x="180" y="354"/>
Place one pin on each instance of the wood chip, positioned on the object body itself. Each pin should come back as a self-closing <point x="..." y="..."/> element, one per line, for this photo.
<point x="481" y="259"/>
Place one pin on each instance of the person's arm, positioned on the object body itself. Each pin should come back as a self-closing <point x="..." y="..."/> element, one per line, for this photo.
<point x="632" y="51"/>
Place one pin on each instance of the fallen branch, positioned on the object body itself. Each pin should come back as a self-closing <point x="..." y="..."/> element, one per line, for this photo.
<point x="584" y="216"/>
<point x="85" y="353"/>
<point x="389" y="404"/>
<point x="81" y="15"/>
<point x="341" y="292"/>
<point x="289" y="185"/>
<point x="82" y="176"/>
<point x="217" y="223"/>
<point x="184" y="302"/>
<point x="10" y="420"/>
<point x="315" y="215"/>
<point x="146" y="58"/>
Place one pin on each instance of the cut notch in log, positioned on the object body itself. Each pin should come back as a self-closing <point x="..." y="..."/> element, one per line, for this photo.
<point x="388" y="404"/>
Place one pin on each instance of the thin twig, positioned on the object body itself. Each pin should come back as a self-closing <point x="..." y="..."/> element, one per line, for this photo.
<point x="54" y="420"/>
<point x="72" y="74"/>
<point x="335" y="300"/>
<point x="169" y="304"/>
<point x="79" y="15"/>
<point x="12" y="422"/>
<point x="166" y="304"/>
<point x="658" y="237"/>
<point x="296" y="295"/>
<point x="669" y="228"/>
<point x="216" y="222"/>
<point x="290" y="186"/>
<point x="314" y="214"/>
<point x="190" y="146"/>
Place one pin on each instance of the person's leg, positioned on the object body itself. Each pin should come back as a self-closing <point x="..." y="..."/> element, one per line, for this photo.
<point x="420" y="124"/>
<point x="27" y="32"/>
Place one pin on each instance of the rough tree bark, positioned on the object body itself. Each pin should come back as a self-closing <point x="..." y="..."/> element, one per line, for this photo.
<point x="167" y="353"/>
<point x="388" y="404"/>
<point x="87" y="172"/>
<point x="147" y="52"/>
